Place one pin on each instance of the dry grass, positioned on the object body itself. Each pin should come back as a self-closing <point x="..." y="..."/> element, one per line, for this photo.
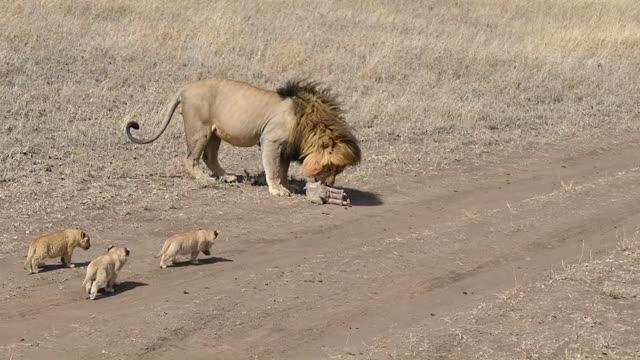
<point x="425" y="83"/>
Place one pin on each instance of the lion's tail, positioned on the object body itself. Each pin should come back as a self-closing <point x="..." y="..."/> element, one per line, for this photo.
<point x="30" y="253"/>
<point x="165" y="247"/>
<point x="134" y="125"/>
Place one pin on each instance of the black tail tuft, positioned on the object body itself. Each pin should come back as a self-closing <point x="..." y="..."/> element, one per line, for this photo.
<point x="133" y="125"/>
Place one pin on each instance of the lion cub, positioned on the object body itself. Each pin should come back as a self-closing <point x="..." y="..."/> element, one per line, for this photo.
<point x="103" y="271"/>
<point x="188" y="243"/>
<point x="61" y="243"/>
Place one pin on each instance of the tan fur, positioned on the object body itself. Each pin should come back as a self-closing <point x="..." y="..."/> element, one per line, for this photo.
<point x="298" y="122"/>
<point x="103" y="271"/>
<point x="190" y="243"/>
<point x="60" y="244"/>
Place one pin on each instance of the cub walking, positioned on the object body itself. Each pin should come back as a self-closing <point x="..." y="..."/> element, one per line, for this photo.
<point x="61" y="243"/>
<point x="103" y="271"/>
<point x="190" y="243"/>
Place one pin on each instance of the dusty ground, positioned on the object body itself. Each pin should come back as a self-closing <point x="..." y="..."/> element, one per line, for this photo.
<point x="495" y="212"/>
<point x="505" y="260"/>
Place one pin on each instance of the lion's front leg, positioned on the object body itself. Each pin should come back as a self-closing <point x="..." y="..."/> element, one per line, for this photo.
<point x="283" y="173"/>
<point x="272" y="168"/>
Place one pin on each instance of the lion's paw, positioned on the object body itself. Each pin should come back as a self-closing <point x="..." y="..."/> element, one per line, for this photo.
<point x="207" y="182"/>
<point x="280" y="191"/>
<point x="228" y="178"/>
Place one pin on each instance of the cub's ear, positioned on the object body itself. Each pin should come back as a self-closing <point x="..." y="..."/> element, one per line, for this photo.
<point x="127" y="251"/>
<point x="215" y="233"/>
<point x="83" y="235"/>
<point x="109" y="248"/>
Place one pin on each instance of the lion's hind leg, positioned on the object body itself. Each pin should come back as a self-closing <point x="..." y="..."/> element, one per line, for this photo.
<point x="210" y="158"/>
<point x="197" y="135"/>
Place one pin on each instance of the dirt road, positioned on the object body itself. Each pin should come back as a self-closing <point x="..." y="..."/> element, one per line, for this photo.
<point x="294" y="280"/>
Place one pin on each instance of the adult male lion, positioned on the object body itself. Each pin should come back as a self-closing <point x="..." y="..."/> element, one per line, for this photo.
<point x="298" y="122"/>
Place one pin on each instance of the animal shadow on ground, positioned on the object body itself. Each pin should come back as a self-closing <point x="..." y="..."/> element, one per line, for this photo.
<point x="52" y="267"/>
<point x="357" y="197"/>
<point x="260" y="179"/>
<point x="120" y="288"/>
<point x="363" y="198"/>
<point x="201" y="261"/>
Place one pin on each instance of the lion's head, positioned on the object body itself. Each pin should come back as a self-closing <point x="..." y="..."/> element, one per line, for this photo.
<point x="321" y="140"/>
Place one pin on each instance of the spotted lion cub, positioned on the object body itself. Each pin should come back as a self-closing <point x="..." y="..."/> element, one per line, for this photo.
<point x="59" y="244"/>
<point x="190" y="243"/>
<point x="103" y="271"/>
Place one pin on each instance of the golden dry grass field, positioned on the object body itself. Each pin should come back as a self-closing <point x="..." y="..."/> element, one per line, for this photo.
<point x="448" y="99"/>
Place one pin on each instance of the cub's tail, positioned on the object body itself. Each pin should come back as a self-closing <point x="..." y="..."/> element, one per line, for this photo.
<point x="165" y="247"/>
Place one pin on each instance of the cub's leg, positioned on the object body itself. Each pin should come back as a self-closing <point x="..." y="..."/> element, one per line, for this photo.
<point x="169" y="255"/>
<point x="163" y="261"/>
<point x="210" y="158"/>
<point x="98" y="283"/>
<point x="110" y="284"/>
<point x="166" y="260"/>
<point x="271" y="163"/>
<point x="194" y="257"/>
<point x="66" y="261"/>
<point x="114" y="280"/>
<point x="87" y="288"/>
<point x="36" y="261"/>
<point x="197" y="134"/>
